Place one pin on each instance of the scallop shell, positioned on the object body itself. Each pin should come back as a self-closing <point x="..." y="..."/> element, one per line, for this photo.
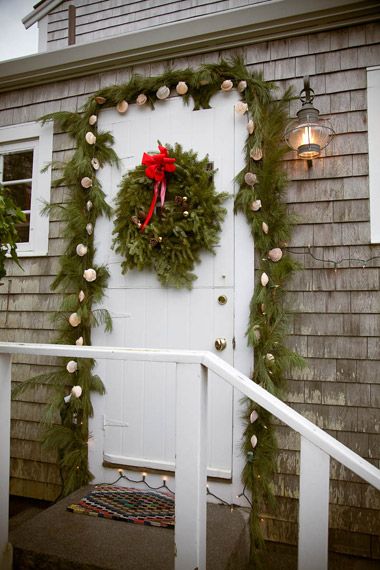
<point x="86" y="182"/>
<point x="265" y="228"/>
<point x="122" y="107"/>
<point x="89" y="205"/>
<point x="256" y="332"/>
<point x="100" y="100"/>
<point x="163" y="92"/>
<point x="250" y="126"/>
<point x="256" y="205"/>
<point x="253" y="441"/>
<point x="89" y="228"/>
<point x="67" y="399"/>
<point x="256" y="154"/>
<point x="89" y="274"/>
<point x="262" y="308"/>
<point x="141" y="99"/>
<point x="76" y="391"/>
<point x="227" y="85"/>
<point x="90" y="138"/>
<point x="253" y="417"/>
<point x="264" y="279"/>
<point x="241" y="108"/>
<point x="74" y="319"/>
<point x="269" y="357"/>
<point x="81" y="249"/>
<point x="72" y="366"/>
<point x="275" y="254"/>
<point x="79" y="341"/>
<point x="81" y="296"/>
<point x="242" y="86"/>
<point x="181" y="88"/>
<point x="250" y="178"/>
<point x="92" y="120"/>
<point x="95" y="163"/>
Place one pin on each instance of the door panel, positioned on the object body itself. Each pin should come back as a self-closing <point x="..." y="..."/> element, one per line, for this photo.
<point x="140" y="401"/>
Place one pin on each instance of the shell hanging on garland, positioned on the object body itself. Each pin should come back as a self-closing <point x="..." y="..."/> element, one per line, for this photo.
<point x="81" y="249"/>
<point x="67" y="399"/>
<point x="250" y="126"/>
<point x="79" y="341"/>
<point x="163" y="92"/>
<point x="89" y="275"/>
<point x="90" y="138"/>
<point x="253" y="417"/>
<point x="141" y="99"/>
<point x="181" y="88"/>
<point x="250" y="178"/>
<point x="72" y="366"/>
<point x="253" y="441"/>
<point x="265" y="227"/>
<point x="95" y="163"/>
<point x="256" y="154"/>
<point x="89" y="228"/>
<point x="269" y="358"/>
<point x="74" y="320"/>
<point x="100" y="100"/>
<point x="242" y="86"/>
<point x="122" y="107"/>
<point x="92" y="120"/>
<point x="241" y="108"/>
<point x="86" y="182"/>
<point x="89" y="205"/>
<point x="262" y="308"/>
<point x="81" y="296"/>
<point x="76" y="391"/>
<point x="227" y="85"/>
<point x="256" y="332"/>
<point x="264" y="279"/>
<point x="275" y="254"/>
<point x="256" y="205"/>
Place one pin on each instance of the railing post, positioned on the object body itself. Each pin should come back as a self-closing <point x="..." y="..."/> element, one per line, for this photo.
<point x="191" y="467"/>
<point x="313" y="523"/>
<point x="5" y="435"/>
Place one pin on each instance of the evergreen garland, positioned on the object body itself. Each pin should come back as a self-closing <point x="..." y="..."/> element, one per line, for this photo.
<point x="189" y="221"/>
<point x="261" y="186"/>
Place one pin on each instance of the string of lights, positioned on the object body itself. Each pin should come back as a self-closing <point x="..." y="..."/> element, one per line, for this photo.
<point x="164" y="486"/>
<point x="334" y="262"/>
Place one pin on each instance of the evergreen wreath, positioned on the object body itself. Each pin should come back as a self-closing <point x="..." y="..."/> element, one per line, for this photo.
<point x="262" y="183"/>
<point x="188" y="222"/>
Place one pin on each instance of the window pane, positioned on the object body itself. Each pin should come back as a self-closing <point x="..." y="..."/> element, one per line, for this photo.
<point x="21" y="194"/>
<point x="23" y="230"/>
<point x="18" y="165"/>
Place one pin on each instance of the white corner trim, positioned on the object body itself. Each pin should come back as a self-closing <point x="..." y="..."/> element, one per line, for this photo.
<point x="373" y="96"/>
<point x="42" y="34"/>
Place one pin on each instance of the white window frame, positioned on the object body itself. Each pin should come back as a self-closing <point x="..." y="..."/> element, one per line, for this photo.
<point x="373" y="107"/>
<point x="38" y="138"/>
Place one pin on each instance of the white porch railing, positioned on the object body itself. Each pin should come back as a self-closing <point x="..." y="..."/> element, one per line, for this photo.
<point x="191" y="403"/>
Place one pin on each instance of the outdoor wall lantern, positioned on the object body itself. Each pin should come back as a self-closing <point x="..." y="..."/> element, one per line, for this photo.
<point x="307" y="134"/>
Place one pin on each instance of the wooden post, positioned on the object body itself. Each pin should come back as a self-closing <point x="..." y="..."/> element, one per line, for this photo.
<point x="191" y="467"/>
<point x="5" y="435"/>
<point x="313" y="523"/>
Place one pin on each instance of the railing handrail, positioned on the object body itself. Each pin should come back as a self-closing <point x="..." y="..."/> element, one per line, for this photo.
<point x="238" y="380"/>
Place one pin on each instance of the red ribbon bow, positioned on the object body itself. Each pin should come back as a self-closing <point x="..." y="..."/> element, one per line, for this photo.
<point x="157" y="166"/>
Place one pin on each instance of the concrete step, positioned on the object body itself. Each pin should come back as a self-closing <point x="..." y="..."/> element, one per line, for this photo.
<point x="56" y="539"/>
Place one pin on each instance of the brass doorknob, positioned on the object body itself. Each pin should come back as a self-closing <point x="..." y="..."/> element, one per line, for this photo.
<point x="220" y="343"/>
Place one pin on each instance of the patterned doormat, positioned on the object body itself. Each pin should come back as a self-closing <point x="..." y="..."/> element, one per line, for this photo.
<point x="129" y="505"/>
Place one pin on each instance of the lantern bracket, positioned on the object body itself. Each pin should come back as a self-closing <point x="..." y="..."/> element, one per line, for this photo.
<point x="307" y="94"/>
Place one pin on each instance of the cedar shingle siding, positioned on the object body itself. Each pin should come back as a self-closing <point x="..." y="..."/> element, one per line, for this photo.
<point x="335" y="321"/>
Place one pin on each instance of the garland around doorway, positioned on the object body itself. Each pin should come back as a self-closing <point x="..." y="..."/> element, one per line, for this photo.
<point x="261" y="184"/>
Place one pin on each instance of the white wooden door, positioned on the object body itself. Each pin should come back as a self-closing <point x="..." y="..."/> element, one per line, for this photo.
<point x="139" y="419"/>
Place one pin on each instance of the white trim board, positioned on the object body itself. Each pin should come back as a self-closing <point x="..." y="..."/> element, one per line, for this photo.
<point x="373" y="96"/>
